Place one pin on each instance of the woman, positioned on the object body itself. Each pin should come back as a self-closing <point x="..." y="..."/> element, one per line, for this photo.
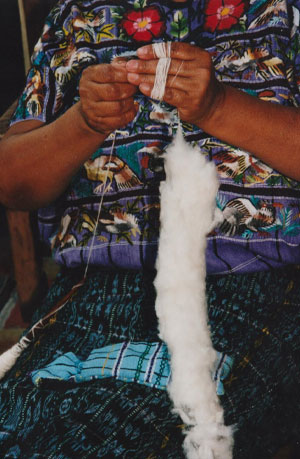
<point x="231" y="61"/>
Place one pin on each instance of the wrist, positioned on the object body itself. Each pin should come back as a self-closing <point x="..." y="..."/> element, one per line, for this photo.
<point x="215" y="109"/>
<point x="86" y="127"/>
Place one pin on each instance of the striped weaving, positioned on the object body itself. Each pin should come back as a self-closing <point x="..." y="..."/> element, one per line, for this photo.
<point x="140" y="362"/>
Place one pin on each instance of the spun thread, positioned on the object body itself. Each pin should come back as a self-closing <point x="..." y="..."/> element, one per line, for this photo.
<point x="163" y="52"/>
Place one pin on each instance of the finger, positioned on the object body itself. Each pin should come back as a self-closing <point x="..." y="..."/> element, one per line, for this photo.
<point x="172" y="96"/>
<point x="113" y="122"/>
<point x="119" y="61"/>
<point x="106" y="73"/>
<point x="186" y="68"/>
<point x="176" y="97"/>
<point x="111" y="108"/>
<point x="147" y="81"/>
<point x="107" y="91"/>
<point x="184" y="51"/>
<point x="117" y="91"/>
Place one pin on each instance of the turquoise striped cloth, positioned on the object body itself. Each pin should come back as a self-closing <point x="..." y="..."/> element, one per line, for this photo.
<point x="140" y="362"/>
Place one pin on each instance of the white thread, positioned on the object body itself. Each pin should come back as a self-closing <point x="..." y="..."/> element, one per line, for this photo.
<point x="163" y="52"/>
<point x="9" y="357"/>
<point x="100" y="207"/>
<point x="176" y="74"/>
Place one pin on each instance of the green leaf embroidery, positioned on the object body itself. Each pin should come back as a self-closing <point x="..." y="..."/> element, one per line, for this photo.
<point x="106" y="56"/>
<point x="117" y="13"/>
<point x="132" y="207"/>
<point x="179" y="25"/>
<point x="139" y="4"/>
<point x="293" y="230"/>
<point x="274" y="180"/>
<point x="240" y="27"/>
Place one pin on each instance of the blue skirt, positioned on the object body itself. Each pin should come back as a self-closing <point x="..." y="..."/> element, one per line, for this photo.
<point x="254" y="318"/>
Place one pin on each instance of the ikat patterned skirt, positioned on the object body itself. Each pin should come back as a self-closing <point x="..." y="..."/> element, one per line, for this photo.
<point x="254" y="319"/>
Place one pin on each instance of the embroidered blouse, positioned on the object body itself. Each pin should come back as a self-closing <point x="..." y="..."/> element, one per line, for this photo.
<point x="255" y="48"/>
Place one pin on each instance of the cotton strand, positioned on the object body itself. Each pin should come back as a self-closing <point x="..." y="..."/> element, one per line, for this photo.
<point x="163" y="52"/>
<point x="9" y="357"/>
<point x="188" y="214"/>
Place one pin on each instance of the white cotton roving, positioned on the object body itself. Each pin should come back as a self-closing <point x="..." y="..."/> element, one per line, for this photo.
<point x="9" y="357"/>
<point x="188" y="210"/>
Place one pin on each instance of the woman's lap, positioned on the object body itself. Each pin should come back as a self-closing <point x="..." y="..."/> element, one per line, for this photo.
<point x="254" y="318"/>
<point x="107" y="419"/>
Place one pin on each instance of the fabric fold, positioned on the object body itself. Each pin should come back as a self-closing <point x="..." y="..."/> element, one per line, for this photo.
<point x="139" y="362"/>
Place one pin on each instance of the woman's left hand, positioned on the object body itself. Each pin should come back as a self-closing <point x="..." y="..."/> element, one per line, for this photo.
<point x="191" y="84"/>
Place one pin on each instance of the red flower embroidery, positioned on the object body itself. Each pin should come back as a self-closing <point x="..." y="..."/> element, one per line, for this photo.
<point x="143" y="25"/>
<point x="223" y="14"/>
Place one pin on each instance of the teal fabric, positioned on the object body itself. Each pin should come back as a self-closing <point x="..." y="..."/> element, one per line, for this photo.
<point x="140" y="362"/>
<point x="144" y="363"/>
<point x="254" y="318"/>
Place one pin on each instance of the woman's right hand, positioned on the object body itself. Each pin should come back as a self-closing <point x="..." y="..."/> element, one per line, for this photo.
<point x="34" y="171"/>
<point x="106" y="97"/>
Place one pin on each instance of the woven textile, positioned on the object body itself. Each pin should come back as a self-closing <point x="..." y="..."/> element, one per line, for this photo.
<point x="255" y="318"/>
<point x="255" y="48"/>
<point x="143" y="363"/>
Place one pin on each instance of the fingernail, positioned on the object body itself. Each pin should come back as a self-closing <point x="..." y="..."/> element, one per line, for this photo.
<point x="144" y="87"/>
<point x="132" y="65"/>
<point x="132" y="77"/>
<point x="142" y="51"/>
<point x="119" y="63"/>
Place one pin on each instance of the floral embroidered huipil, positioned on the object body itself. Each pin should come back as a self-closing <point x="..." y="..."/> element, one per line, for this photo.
<point x="255" y="48"/>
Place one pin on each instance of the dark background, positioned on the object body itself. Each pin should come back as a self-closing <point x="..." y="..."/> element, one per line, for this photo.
<point x="12" y="75"/>
<point x="12" y="66"/>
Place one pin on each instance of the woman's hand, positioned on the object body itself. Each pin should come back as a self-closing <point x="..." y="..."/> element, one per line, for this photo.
<point x="106" y="97"/>
<point x="36" y="172"/>
<point x="191" y="84"/>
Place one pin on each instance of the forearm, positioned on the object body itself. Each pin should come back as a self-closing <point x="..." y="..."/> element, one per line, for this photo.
<point x="267" y="130"/>
<point x="36" y="166"/>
